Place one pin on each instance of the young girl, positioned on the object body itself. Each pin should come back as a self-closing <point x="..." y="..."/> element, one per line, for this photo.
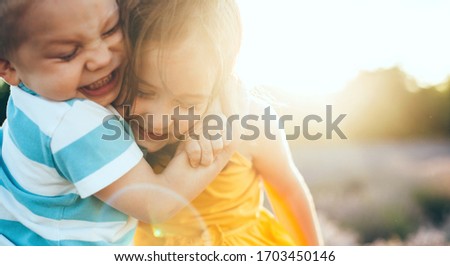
<point x="184" y="55"/>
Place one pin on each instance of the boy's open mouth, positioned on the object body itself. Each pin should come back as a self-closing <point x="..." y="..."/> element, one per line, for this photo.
<point x="101" y="86"/>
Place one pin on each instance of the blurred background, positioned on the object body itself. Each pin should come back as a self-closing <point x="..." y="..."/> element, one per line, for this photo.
<point x="385" y="64"/>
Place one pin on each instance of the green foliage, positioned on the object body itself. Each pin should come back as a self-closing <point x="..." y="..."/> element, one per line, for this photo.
<point x="4" y="93"/>
<point x="3" y="87"/>
<point x="388" y="104"/>
<point x="382" y="219"/>
<point x="435" y="204"/>
<point x="385" y="224"/>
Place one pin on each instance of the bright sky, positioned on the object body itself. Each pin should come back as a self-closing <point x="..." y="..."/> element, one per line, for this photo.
<point x="316" y="46"/>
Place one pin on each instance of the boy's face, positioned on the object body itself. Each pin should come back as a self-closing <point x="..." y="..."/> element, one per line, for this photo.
<point x="74" y="49"/>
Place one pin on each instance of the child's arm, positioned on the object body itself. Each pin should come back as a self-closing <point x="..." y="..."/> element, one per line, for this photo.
<point x="287" y="190"/>
<point x="91" y="149"/>
<point x="152" y="197"/>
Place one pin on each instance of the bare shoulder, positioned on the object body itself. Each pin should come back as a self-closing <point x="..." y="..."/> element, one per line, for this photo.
<point x="258" y="106"/>
<point x="258" y="126"/>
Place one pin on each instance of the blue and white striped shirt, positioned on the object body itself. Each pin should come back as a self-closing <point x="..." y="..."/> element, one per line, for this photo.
<point x="54" y="158"/>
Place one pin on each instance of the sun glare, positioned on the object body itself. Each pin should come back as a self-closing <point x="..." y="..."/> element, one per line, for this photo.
<point x="316" y="47"/>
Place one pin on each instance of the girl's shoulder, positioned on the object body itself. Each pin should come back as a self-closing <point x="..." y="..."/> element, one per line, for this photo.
<point x="257" y="118"/>
<point x="256" y="124"/>
<point x="258" y="106"/>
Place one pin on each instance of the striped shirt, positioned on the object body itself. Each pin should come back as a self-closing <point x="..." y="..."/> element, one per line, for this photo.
<point x="55" y="156"/>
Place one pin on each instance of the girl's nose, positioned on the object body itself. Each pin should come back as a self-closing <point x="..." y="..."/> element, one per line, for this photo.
<point x="159" y="123"/>
<point x="160" y="117"/>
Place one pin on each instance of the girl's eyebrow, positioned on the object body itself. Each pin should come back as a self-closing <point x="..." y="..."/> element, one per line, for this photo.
<point x="140" y="80"/>
<point x="188" y="95"/>
<point x="192" y="96"/>
<point x="146" y="83"/>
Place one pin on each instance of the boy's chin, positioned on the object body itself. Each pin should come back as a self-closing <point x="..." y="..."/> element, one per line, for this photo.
<point x="107" y="99"/>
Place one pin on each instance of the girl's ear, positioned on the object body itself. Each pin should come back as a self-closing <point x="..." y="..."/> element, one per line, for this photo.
<point x="8" y="73"/>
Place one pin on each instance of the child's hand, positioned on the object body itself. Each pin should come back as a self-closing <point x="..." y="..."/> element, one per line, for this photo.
<point x="210" y="143"/>
<point x="203" y="151"/>
<point x="230" y="102"/>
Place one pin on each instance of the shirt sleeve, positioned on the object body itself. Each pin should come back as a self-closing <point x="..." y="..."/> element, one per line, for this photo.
<point x="92" y="148"/>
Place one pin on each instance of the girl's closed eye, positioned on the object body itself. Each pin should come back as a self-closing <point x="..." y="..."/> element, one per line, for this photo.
<point x="188" y="103"/>
<point x="197" y="107"/>
<point x="146" y="94"/>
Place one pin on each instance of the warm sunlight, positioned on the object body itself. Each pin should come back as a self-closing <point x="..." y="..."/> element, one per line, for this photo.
<point x="122" y="123"/>
<point x="315" y="47"/>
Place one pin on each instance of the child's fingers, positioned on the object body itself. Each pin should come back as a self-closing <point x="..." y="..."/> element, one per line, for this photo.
<point x="194" y="152"/>
<point x="215" y="136"/>
<point x="227" y="135"/>
<point x="225" y="140"/>
<point x="217" y="146"/>
<point x="206" y="151"/>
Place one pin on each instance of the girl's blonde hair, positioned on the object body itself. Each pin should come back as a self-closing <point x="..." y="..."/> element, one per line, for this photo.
<point x="168" y="22"/>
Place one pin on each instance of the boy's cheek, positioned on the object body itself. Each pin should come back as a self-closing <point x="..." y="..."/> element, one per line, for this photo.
<point x="118" y="44"/>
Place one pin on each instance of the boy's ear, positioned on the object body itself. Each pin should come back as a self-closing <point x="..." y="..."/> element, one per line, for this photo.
<point x="8" y="73"/>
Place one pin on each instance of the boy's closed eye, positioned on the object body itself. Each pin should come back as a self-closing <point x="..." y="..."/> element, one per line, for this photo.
<point x="72" y="54"/>
<point x="61" y="51"/>
<point x="69" y="55"/>
<point x="112" y="30"/>
<point x="73" y="49"/>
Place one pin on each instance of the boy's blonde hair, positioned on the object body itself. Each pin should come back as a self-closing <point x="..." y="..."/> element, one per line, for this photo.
<point x="167" y="22"/>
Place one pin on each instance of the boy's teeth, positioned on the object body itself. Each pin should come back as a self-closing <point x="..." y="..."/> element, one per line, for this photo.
<point x="99" y="83"/>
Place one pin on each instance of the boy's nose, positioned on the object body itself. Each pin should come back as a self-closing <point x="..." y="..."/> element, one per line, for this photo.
<point x="100" y="56"/>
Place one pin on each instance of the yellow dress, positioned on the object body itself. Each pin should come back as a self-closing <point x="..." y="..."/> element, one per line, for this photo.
<point x="228" y="212"/>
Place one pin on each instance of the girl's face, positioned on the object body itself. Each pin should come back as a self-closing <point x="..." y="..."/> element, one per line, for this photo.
<point x="180" y="77"/>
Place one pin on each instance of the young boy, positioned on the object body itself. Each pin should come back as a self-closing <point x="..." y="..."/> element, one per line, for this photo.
<point x="62" y="182"/>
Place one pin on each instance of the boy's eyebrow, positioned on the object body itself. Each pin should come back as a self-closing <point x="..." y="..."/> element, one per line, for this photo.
<point x="61" y="42"/>
<point x="112" y="15"/>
